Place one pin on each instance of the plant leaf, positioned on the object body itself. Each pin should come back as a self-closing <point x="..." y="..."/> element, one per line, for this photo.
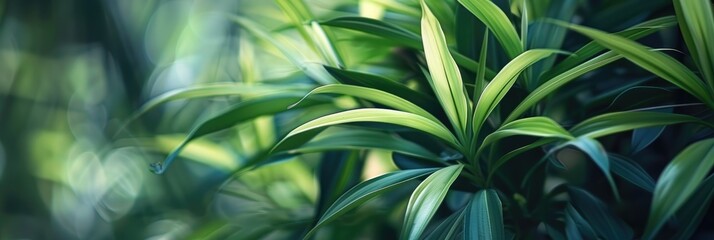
<point x="240" y="112"/>
<point x="348" y="138"/>
<point x="379" y="116"/>
<point x="632" y="172"/>
<point x="365" y="191"/>
<point x="504" y="80"/>
<point x="377" y="82"/>
<point x="485" y="220"/>
<point x="496" y="20"/>
<point x="448" y="228"/>
<point x="635" y="32"/>
<point x="695" y="22"/>
<point x="658" y="63"/>
<point x="214" y="90"/>
<point x="611" y="123"/>
<point x="426" y="199"/>
<point x="533" y="126"/>
<point x="374" y="95"/>
<point x="445" y="75"/>
<point x="597" y="153"/>
<point x="605" y="224"/>
<point x="397" y="35"/>
<point x="678" y="182"/>
<point x="546" y="89"/>
<point x="694" y="210"/>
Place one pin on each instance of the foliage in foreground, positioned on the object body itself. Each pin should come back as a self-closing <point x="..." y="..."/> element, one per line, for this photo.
<point x="484" y="127"/>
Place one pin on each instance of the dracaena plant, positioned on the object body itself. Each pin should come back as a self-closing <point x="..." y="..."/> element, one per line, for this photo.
<point x="459" y="133"/>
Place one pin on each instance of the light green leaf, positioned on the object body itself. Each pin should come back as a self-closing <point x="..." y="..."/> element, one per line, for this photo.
<point x="353" y="139"/>
<point x="496" y="20"/>
<point x="445" y="75"/>
<point x="533" y="126"/>
<point x="374" y="95"/>
<point x="379" y="116"/>
<point x="695" y="22"/>
<point x="553" y="84"/>
<point x="504" y="80"/>
<point x="658" y="63"/>
<point x="616" y="122"/>
<point x="426" y="199"/>
<point x="678" y="181"/>
<point x="366" y="191"/>
<point x="485" y="219"/>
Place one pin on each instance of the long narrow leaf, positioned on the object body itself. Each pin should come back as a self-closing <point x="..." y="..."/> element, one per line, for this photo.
<point x="611" y="123"/>
<point x="678" y="181"/>
<point x="426" y="199"/>
<point x="365" y="191"/>
<point x="498" y="22"/>
<point x="485" y="219"/>
<point x="695" y="21"/>
<point x="241" y="112"/>
<point x="373" y="95"/>
<point x="658" y="63"/>
<point x="445" y="74"/>
<point x="378" y="116"/>
<point x="504" y="80"/>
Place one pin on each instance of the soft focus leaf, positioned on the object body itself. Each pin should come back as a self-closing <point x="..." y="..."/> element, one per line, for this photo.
<point x="632" y="172"/>
<point x="426" y="199"/>
<point x="605" y="224"/>
<point x="597" y="153"/>
<point x="240" y="112"/>
<point x="693" y="211"/>
<point x="678" y="182"/>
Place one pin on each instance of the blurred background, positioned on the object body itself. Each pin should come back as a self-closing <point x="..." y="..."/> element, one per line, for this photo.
<point x="71" y="74"/>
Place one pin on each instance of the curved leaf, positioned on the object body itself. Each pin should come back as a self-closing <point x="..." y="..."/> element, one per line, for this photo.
<point x="632" y="172"/>
<point x="346" y="138"/>
<point x="496" y="20"/>
<point x="445" y="75"/>
<point x="426" y="199"/>
<point x="635" y="32"/>
<point x="695" y="22"/>
<point x="597" y="153"/>
<point x="678" y="182"/>
<point x="658" y="63"/>
<point x="377" y="82"/>
<point x="485" y="220"/>
<point x="379" y="116"/>
<point x="533" y="126"/>
<point x="694" y="210"/>
<point x="366" y="191"/>
<point x="605" y="224"/>
<point x="240" y="112"/>
<point x="373" y="95"/>
<point x="611" y="123"/>
<point x="398" y="35"/>
<point x="504" y="80"/>
<point x="546" y="89"/>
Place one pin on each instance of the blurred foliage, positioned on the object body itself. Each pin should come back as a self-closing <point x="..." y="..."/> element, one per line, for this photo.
<point x="77" y="135"/>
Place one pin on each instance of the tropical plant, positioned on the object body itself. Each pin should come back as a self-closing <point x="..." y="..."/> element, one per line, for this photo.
<point x="478" y="125"/>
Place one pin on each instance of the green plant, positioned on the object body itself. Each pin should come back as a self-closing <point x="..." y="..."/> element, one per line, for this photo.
<point x="472" y="126"/>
